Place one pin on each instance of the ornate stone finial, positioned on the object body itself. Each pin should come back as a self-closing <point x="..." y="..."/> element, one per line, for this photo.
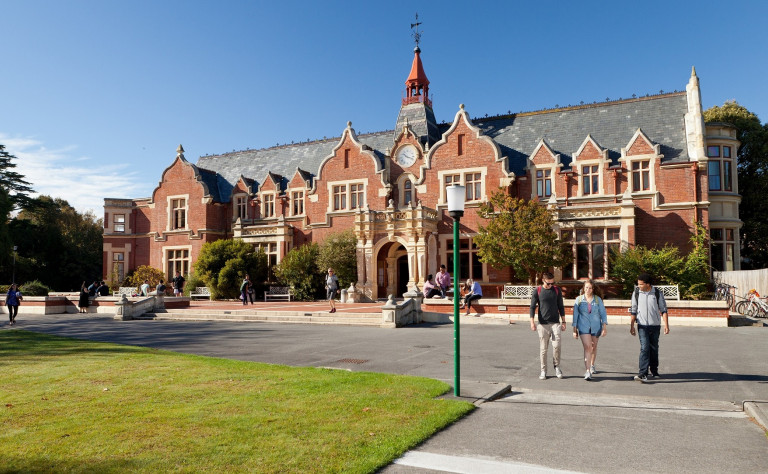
<point x="461" y="106"/>
<point x="391" y="300"/>
<point x="419" y="205"/>
<point x="180" y="149"/>
<point x="349" y="124"/>
<point x="693" y="71"/>
<point x="391" y="204"/>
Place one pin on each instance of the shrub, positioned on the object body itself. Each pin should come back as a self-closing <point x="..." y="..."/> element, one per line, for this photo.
<point x="191" y="282"/>
<point x="33" y="288"/>
<point x="339" y="251"/>
<point x="223" y="264"/>
<point x="299" y="270"/>
<point x="666" y="265"/>
<point x="145" y="272"/>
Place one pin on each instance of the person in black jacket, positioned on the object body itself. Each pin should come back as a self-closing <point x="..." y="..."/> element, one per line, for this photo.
<point x="549" y="299"/>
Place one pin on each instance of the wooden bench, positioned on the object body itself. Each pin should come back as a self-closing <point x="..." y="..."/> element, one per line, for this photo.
<point x="125" y="290"/>
<point x="278" y="293"/>
<point x="201" y="292"/>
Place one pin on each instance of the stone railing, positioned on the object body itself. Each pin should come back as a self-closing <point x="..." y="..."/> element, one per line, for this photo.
<point x="399" y="315"/>
<point x="126" y="309"/>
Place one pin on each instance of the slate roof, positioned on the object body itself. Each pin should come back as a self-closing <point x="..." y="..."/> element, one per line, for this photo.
<point x="611" y="125"/>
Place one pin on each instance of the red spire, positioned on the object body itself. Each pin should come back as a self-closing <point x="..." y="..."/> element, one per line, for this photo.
<point x="417" y="84"/>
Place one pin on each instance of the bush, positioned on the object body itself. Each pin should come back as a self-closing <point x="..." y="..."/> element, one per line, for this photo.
<point x="222" y="265"/>
<point x="666" y="265"/>
<point x="191" y="282"/>
<point x="33" y="288"/>
<point x="339" y="251"/>
<point x="145" y="272"/>
<point x="299" y="270"/>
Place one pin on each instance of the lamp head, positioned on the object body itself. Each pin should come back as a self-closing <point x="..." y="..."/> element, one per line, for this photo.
<point x="456" y="197"/>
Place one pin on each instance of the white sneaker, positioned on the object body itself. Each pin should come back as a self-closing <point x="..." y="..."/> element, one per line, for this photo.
<point x="558" y="372"/>
<point x="592" y="370"/>
<point x="542" y="375"/>
<point x="588" y="375"/>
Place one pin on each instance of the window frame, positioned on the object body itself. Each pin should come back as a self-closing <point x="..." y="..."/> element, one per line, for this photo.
<point x="118" y="225"/>
<point x="268" y="205"/>
<point x="579" y="238"/>
<point x="178" y="209"/>
<point x="297" y="200"/>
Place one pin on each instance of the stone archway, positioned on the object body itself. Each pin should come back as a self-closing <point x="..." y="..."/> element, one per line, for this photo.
<point x="392" y="270"/>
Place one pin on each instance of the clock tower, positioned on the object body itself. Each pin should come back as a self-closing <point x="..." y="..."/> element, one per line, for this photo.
<point x="416" y="109"/>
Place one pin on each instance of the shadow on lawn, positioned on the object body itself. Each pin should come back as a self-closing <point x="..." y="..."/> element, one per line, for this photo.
<point x="15" y="344"/>
<point x="10" y="463"/>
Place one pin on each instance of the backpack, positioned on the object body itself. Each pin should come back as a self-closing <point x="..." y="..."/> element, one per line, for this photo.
<point x="557" y="290"/>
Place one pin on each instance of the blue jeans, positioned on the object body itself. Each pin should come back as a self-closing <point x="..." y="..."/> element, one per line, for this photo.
<point x="649" y="348"/>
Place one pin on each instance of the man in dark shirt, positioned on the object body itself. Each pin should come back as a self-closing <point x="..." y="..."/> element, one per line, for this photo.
<point x="549" y="299"/>
<point x="178" y="284"/>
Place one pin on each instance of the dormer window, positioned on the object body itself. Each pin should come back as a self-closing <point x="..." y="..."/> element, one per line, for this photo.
<point x="297" y="203"/>
<point x="641" y="176"/>
<point x="543" y="183"/>
<point x="269" y="206"/>
<point x="590" y="179"/>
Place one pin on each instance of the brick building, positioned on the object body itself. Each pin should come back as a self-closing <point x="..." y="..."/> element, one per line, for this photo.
<point x="638" y="171"/>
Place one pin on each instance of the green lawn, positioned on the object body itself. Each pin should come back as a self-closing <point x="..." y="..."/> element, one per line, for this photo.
<point x="81" y="406"/>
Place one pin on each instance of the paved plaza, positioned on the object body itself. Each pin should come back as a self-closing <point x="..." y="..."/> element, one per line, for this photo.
<point x="689" y="420"/>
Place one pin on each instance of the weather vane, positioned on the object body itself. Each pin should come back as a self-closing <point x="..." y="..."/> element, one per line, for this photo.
<point x="416" y="34"/>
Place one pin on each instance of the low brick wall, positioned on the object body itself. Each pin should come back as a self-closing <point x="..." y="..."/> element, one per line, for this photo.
<point x="62" y="303"/>
<point x="681" y="313"/>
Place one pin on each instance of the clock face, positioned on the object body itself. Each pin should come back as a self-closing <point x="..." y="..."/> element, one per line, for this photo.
<point x="406" y="156"/>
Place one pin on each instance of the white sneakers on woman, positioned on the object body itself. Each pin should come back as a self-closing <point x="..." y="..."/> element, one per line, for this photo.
<point x="588" y="375"/>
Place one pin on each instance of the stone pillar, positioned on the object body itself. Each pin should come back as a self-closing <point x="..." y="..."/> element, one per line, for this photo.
<point x="123" y="309"/>
<point x="391" y="275"/>
<point x="389" y="313"/>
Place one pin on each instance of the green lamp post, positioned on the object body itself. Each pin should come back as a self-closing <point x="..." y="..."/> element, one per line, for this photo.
<point x="456" y="198"/>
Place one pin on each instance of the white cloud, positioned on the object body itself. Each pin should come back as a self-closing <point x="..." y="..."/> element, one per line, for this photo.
<point x="61" y="173"/>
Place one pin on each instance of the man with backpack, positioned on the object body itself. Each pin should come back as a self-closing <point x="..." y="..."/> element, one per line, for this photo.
<point x="648" y="308"/>
<point x="549" y="299"/>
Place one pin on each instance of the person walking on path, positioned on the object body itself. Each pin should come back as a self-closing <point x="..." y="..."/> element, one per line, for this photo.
<point x="443" y="280"/>
<point x="84" y="301"/>
<point x="649" y="309"/>
<point x="430" y="289"/>
<point x="589" y="323"/>
<point x="244" y="287"/>
<point x="331" y="287"/>
<point x="549" y="299"/>
<point x="12" y="301"/>
<point x="178" y="284"/>
<point x="474" y="293"/>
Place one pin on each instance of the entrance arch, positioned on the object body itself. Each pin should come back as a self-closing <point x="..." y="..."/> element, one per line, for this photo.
<point x="392" y="270"/>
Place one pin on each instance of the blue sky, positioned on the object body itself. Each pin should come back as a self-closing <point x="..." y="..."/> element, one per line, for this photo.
<point x="96" y="95"/>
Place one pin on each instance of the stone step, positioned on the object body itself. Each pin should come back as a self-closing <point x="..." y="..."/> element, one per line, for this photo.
<point x="316" y="318"/>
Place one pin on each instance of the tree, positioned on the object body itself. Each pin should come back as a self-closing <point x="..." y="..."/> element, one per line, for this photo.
<point x="519" y="234"/>
<point x="224" y="263"/>
<point x="339" y="251"/>
<point x="753" y="179"/>
<point x="56" y="244"/>
<point x="18" y="189"/>
<point x="299" y="270"/>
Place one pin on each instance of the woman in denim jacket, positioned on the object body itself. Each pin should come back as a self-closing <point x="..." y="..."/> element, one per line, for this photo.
<point x="589" y="323"/>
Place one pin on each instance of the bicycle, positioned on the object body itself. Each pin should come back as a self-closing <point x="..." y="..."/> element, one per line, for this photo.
<point x="723" y="292"/>
<point x="753" y="306"/>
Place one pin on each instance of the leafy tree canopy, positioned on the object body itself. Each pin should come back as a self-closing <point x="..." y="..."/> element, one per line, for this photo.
<point x="753" y="179"/>
<point x="519" y="234"/>
<point x="339" y="251"/>
<point x="56" y="244"/>
<point x="223" y="264"/>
